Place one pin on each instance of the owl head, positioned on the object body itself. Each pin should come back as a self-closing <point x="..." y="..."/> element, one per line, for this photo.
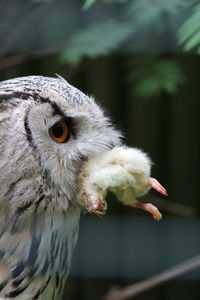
<point x="48" y="128"/>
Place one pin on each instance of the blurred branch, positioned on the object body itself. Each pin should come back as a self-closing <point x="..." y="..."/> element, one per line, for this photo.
<point x="17" y="59"/>
<point x="14" y="60"/>
<point x="11" y="61"/>
<point x="143" y="286"/>
<point x="173" y="207"/>
<point x="22" y="28"/>
<point x="50" y="50"/>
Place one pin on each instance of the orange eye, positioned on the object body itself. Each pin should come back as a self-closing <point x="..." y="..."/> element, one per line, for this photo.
<point x="60" y="131"/>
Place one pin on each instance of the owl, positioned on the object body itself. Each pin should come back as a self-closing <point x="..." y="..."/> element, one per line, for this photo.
<point x="59" y="154"/>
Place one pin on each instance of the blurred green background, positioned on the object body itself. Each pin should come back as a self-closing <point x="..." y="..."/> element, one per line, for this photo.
<point x="139" y="59"/>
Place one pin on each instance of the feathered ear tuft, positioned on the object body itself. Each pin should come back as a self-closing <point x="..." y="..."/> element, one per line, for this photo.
<point x="61" y="78"/>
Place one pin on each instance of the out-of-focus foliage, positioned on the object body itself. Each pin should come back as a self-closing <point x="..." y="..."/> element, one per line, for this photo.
<point x="98" y="39"/>
<point x="155" y="15"/>
<point x="93" y="28"/>
<point x="39" y="1"/>
<point x="189" y="32"/>
<point x="88" y="3"/>
<point x="141" y="24"/>
<point x="153" y="76"/>
<point x="115" y="1"/>
<point x="151" y="24"/>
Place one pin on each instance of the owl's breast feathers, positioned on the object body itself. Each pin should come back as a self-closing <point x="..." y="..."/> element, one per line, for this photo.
<point x="35" y="259"/>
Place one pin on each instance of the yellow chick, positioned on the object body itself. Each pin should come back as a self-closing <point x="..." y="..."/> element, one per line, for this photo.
<point x="125" y="172"/>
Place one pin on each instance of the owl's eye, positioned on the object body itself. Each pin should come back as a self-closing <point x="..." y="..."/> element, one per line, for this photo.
<point x="60" y="131"/>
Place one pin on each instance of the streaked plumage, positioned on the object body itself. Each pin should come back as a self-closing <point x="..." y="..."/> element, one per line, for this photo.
<point x="57" y="148"/>
<point x="39" y="216"/>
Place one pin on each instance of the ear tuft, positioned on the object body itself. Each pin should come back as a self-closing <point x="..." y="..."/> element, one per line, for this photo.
<point x="61" y="78"/>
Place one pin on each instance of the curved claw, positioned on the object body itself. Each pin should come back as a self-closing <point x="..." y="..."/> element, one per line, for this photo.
<point x="155" y="184"/>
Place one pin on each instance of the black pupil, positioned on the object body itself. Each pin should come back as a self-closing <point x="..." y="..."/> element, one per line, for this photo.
<point x="57" y="130"/>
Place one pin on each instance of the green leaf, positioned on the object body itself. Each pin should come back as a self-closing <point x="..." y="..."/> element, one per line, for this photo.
<point x="98" y="39"/>
<point x="189" y="32"/>
<point x="193" y="41"/>
<point x="152" y="76"/>
<point x="88" y="4"/>
<point x="151" y="13"/>
<point x="115" y="1"/>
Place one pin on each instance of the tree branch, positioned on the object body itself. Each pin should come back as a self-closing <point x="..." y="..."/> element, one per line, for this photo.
<point x="143" y="286"/>
<point x="174" y="208"/>
<point x="16" y="59"/>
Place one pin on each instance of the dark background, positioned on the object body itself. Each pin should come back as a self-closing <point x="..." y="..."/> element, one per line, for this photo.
<point x="139" y="59"/>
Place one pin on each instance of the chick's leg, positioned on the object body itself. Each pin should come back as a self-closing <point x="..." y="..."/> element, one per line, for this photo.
<point x="155" y="184"/>
<point x="149" y="208"/>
